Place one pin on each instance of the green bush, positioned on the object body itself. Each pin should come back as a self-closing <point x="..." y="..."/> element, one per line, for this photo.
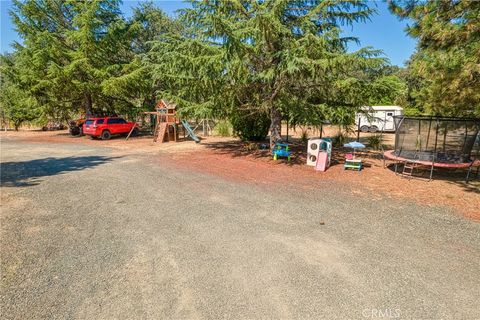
<point x="340" y="139"/>
<point x="304" y="137"/>
<point x="375" y="141"/>
<point x="223" y="128"/>
<point x="250" y="127"/>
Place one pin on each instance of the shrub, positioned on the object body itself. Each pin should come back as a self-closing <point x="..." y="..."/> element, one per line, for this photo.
<point x="304" y="137"/>
<point x="375" y="141"/>
<point x="340" y="139"/>
<point x="223" y="128"/>
<point x="250" y="127"/>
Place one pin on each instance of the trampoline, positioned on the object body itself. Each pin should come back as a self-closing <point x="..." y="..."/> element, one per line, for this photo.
<point x="436" y="142"/>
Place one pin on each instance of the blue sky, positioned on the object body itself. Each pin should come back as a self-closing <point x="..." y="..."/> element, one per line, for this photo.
<point x="384" y="31"/>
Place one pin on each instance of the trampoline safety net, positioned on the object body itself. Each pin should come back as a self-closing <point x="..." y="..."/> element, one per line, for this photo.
<point x="440" y="140"/>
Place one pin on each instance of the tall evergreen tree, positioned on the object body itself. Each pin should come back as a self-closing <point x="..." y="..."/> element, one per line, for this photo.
<point x="16" y="104"/>
<point x="135" y="83"/>
<point x="71" y="48"/>
<point x="265" y="57"/>
<point x="446" y="65"/>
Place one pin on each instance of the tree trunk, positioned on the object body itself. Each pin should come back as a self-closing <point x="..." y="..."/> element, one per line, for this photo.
<point x="275" y="126"/>
<point x="88" y="105"/>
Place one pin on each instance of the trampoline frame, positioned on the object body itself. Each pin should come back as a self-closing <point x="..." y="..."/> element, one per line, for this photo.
<point x="389" y="154"/>
<point x="474" y="162"/>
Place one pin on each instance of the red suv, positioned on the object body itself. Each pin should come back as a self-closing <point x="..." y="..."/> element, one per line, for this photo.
<point x="105" y="127"/>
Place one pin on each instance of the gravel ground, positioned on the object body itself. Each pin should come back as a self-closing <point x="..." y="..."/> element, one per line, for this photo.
<point x="90" y="233"/>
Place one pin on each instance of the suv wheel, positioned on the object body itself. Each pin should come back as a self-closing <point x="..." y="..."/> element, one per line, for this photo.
<point x="106" y="135"/>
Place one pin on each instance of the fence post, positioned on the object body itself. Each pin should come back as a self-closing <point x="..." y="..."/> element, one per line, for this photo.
<point x="358" y="129"/>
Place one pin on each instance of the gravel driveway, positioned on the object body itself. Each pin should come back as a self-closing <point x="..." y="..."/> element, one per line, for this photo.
<point x="90" y="233"/>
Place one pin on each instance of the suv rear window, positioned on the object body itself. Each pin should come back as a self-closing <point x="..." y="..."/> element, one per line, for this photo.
<point x="89" y="122"/>
<point x="115" y="120"/>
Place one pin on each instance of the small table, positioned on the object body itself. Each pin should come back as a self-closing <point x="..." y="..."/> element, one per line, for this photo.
<point x="355" y="164"/>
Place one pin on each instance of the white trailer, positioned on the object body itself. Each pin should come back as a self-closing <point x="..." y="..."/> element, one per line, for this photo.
<point x="377" y="118"/>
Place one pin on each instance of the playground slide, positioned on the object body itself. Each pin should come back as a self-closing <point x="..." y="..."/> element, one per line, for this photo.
<point x="190" y="131"/>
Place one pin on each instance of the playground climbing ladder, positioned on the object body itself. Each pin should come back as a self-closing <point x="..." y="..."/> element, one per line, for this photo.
<point x="160" y="131"/>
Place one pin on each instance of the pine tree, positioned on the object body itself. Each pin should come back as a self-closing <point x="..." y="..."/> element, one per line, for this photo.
<point x="265" y="57"/>
<point x="134" y="82"/>
<point x="16" y="105"/>
<point x="446" y="64"/>
<point x="71" y="48"/>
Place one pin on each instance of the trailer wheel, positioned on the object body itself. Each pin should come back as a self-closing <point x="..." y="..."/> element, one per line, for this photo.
<point x="373" y="129"/>
<point x="364" y="128"/>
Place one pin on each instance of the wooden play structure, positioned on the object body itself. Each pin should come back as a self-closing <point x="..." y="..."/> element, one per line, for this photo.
<point x="166" y="123"/>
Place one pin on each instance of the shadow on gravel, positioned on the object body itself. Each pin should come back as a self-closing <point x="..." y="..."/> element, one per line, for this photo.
<point x="27" y="173"/>
<point x="455" y="177"/>
<point x="244" y="149"/>
<point x="299" y="152"/>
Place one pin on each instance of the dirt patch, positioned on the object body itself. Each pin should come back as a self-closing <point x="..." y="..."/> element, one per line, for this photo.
<point x="132" y="145"/>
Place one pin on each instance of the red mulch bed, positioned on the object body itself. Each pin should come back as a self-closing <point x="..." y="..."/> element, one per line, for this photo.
<point x="236" y="162"/>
